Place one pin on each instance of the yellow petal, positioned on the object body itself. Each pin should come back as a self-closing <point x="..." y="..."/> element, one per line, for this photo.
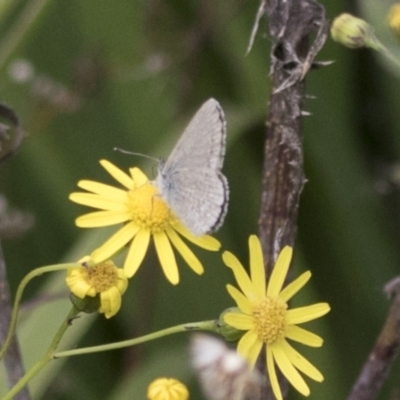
<point x="257" y="270"/>
<point x="272" y="374"/>
<point x="279" y="272"/>
<point x="77" y="285"/>
<point x="110" y="301"/>
<point x="138" y="176"/>
<point x="241" y="300"/>
<point x="249" y="347"/>
<point x="241" y="276"/>
<point x="304" y="314"/>
<point x="96" y="201"/>
<point x="291" y="289"/>
<point x="255" y="350"/>
<point x="137" y="251"/>
<point x="166" y="257"/>
<point x="77" y="273"/>
<point x="91" y="292"/>
<point x="105" y="191"/>
<point x="184" y="251"/>
<point x="120" y="176"/>
<point x="239" y="320"/>
<point x="287" y="368"/>
<point x="301" y="363"/>
<point x="115" y="243"/>
<point x="122" y="281"/>
<point x="205" y="242"/>
<point x="303" y="336"/>
<point x="98" y="219"/>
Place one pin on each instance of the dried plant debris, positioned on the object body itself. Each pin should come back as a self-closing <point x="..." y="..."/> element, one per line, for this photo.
<point x="290" y="24"/>
<point x="13" y="222"/>
<point x="222" y="372"/>
<point x="11" y="132"/>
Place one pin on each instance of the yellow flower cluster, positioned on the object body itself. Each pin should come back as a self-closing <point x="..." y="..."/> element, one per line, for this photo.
<point x="167" y="389"/>
<point x="145" y="217"/>
<point x="263" y="314"/>
<point x="103" y="279"/>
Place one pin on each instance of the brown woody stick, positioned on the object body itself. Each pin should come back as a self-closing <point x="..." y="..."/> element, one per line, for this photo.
<point x="377" y="367"/>
<point x="292" y="55"/>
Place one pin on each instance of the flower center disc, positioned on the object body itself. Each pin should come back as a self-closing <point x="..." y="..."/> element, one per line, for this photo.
<point x="148" y="209"/>
<point x="270" y="319"/>
<point x="102" y="276"/>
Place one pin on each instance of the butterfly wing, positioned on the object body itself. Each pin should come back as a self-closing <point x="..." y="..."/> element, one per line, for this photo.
<point x="191" y="181"/>
<point x="202" y="143"/>
<point x="202" y="204"/>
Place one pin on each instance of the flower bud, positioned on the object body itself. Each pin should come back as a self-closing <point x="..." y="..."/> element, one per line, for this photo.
<point x="167" y="389"/>
<point x="352" y="32"/>
<point x="97" y="286"/>
<point x="87" y="304"/>
<point x="229" y="333"/>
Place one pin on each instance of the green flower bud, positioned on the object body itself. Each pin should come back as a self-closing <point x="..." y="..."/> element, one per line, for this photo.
<point x="229" y="333"/>
<point x="87" y="305"/>
<point x="353" y="32"/>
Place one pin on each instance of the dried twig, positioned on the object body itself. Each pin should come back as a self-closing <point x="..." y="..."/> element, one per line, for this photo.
<point x="378" y="365"/>
<point x="291" y="22"/>
<point x="10" y="137"/>
<point x="12" y="359"/>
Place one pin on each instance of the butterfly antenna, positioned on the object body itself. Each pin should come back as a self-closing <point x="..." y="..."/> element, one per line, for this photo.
<point x="132" y="153"/>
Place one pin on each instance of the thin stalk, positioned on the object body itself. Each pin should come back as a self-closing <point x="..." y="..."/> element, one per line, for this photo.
<point x="48" y="356"/>
<point x="193" y="326"/>
<point x="36" y="272"/>
<point x="19" y="29"/>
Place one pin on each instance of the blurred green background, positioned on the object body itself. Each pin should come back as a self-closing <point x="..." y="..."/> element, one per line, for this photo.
<point x="131" y="74"/>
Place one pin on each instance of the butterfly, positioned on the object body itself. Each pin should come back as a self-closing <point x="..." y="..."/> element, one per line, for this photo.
<point x="191" y="181"/>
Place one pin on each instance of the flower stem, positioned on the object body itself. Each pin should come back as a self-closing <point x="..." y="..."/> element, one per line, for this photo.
<point x="20" y="28"/>
<point x="385" y="51"/>
<point x="48" y="356"/>
<point x="193" y="326"/>
<point x="36" y="272"/>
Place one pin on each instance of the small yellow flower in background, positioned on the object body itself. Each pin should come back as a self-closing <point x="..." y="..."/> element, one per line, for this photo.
<point x="145" y="215"/>
<point x="393" y="19"/>
<point x="266" y="317"/>
<point x="167" y="389"/>
<point x="103" y="279"/>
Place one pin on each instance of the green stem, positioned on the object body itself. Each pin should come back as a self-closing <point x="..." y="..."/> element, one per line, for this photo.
<point x="193" y="326"/>
<point x="36" y="272"/>
<point x="49" y="355"/>
<point x="375" y="44"/>
<point x="389" y="55"/>
<point x="17" y="32"/>
<point x="5" y="8"/>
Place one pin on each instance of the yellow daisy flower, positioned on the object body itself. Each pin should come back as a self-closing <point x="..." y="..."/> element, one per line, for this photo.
<point x="265" y="315"/>
<point x="167" y="389"/>
<point x="145" y="215"/>
<point x="103" y="279"/>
